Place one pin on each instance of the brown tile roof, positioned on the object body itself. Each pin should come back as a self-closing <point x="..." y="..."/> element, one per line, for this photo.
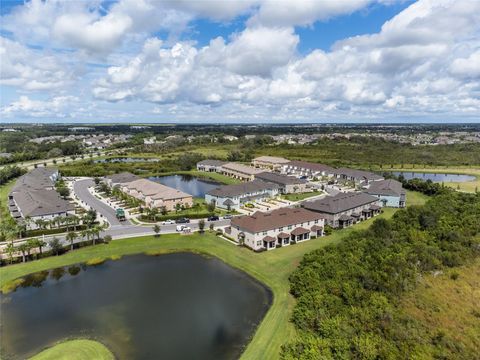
<point x="263" y="221"/>
<point x="283" y="235"/>
<point x="316" y="228"/>
<point x="241" y="168"/>
<point x="310" y="166"/>
<point x="269" y="239"/>
<point x="340" y="202"/>
<point x="300" y="231"/>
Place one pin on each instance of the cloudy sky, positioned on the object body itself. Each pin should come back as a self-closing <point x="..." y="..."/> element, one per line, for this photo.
<point x="236" y="61"/>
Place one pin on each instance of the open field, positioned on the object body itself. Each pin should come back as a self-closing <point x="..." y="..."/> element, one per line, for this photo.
<point x="415" y="198"/>
<point x="272" y="268"/>
<point x="81" y="349"/>
<point x="448" y="305"/>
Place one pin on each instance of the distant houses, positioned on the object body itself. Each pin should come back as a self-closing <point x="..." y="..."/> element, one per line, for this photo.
<point x="307" y="169"/>
<point x="33" y="197"/>
<point x="270" y="162"/>
<point x="357" y="176"/>
<point x="281" y="227"/>
<point x="210" y="165"/>
<point x="286" y="184"/>
<point x="156" y="195"/>
<point x="390" y="192"/>
<point x="235" y="196"/>
<point x="240" y="171"/>
<point x="345" y="209"/>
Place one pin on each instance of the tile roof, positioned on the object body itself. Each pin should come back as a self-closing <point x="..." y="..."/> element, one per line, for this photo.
<point x="264" y="221"/>
<point x="272" y="159"/>
<point x="389" y="187"/>
<point x="299" y="231"/>
<point x="242" y="189"/>
<point x="211" y="162"/>
<point x="280" y="178"/>
<point x="358" y="174"/>
<point x="155" y="190"/>
<point x="122" y="177"/>
<point x="340" y="202"/>
<point x="310" y="166"/>
<point x="241" y="168"/>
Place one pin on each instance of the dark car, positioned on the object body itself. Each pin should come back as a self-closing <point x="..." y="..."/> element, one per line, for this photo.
<point x="182" y="221"/>
<point x="213" y="218"/>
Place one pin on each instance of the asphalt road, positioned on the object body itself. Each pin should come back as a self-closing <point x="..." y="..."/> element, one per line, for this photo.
<point x="80" y="188"/>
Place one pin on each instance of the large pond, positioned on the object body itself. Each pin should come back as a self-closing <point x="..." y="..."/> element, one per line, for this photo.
<point x="176" y="306"/>
<point x="435" y="177"/>
<point x="187" y="183"/>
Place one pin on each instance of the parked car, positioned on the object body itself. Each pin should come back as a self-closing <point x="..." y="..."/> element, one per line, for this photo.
<point x="228" y="216"/>
<point x="168" y="222"/>
<point x="213" y="218"/>
<point x="180" y="228"/>
<point x="182" y="221"/>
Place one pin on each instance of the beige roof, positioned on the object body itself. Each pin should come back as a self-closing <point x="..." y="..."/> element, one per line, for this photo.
<point x="244" y="169"/>
<point x="272" y="159"/>
<point x="155" y="190"/>
<point x="263" y="221"/>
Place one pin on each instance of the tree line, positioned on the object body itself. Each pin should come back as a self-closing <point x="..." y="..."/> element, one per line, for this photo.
<point x="348" y="294"/>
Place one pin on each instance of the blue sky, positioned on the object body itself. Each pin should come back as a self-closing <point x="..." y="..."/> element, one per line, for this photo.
<point x="240" y="61"/>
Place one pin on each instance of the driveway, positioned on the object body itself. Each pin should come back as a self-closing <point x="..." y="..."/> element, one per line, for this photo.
<point x="80" y="189"/>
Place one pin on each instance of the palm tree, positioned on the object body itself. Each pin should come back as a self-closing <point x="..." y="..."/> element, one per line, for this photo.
<point x="23" y="248"/>
<point x="10" y="249"/>
<point x="71" y="236"/>
<point x="95" y="231"/>
<point x="31" y="244"/>
<point x="40" y="244"/>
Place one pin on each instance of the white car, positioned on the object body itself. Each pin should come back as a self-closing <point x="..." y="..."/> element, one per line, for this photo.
<point x="183" y="228"/>
<point x="168" y="222"/>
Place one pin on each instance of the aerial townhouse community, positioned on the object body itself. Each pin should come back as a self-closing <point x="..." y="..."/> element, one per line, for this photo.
<point x="34" y="198"/>
<point x="153" y="194"/>
<point x="280" y="227"/>
<point x="339" y="206"/>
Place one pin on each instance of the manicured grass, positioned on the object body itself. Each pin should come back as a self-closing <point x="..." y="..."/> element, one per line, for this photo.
<point x="300" y="196"/>
<point x="449" y="304"/>
<point x="81" y="349"/>
<point x="272" y="268"/>
<point x="4" y="191"/>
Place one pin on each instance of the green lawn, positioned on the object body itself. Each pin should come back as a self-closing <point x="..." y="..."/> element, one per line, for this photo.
<point x="81" y="349"/>
<point x="271" y="268"/>
<point x="300" y="196"/>
<point x="416" y="198"/>
<point x="4" y="190"/>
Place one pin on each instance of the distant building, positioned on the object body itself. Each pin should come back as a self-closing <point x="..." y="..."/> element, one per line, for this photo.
<point x="33" y="197"/>
<point x="120" y="178"/>
<point x="281" y="227"/>
<point x="240" y="171"/>
<point x="210" y="165"/>
<point x="357" y="176"/>
<point x="156" y="195"/>
<point x="390" y="192"/>
<point x="307" y="169"/>
<point x="269" y="162"/>
<point x="286" y="184"/>
<point x="345" y="209"/>
<point x="234" y="196"/>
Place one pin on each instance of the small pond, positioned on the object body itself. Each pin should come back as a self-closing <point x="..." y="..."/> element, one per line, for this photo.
<point x="187" y="183"/>
<point x="124" y="160"/>
<point x="176" y="306"/>
<point x="435" y="177"/>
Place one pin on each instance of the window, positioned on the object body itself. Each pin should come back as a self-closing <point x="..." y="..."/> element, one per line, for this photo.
<point x="289" y="227"/>
<point x="264" y="233"/>
<point x="259" y="243"/>
<point x="280" y="228"/>
<point x="316" y="221"/>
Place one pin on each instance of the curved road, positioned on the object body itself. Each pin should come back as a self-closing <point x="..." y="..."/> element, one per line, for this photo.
<point x="80" y="188"/>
